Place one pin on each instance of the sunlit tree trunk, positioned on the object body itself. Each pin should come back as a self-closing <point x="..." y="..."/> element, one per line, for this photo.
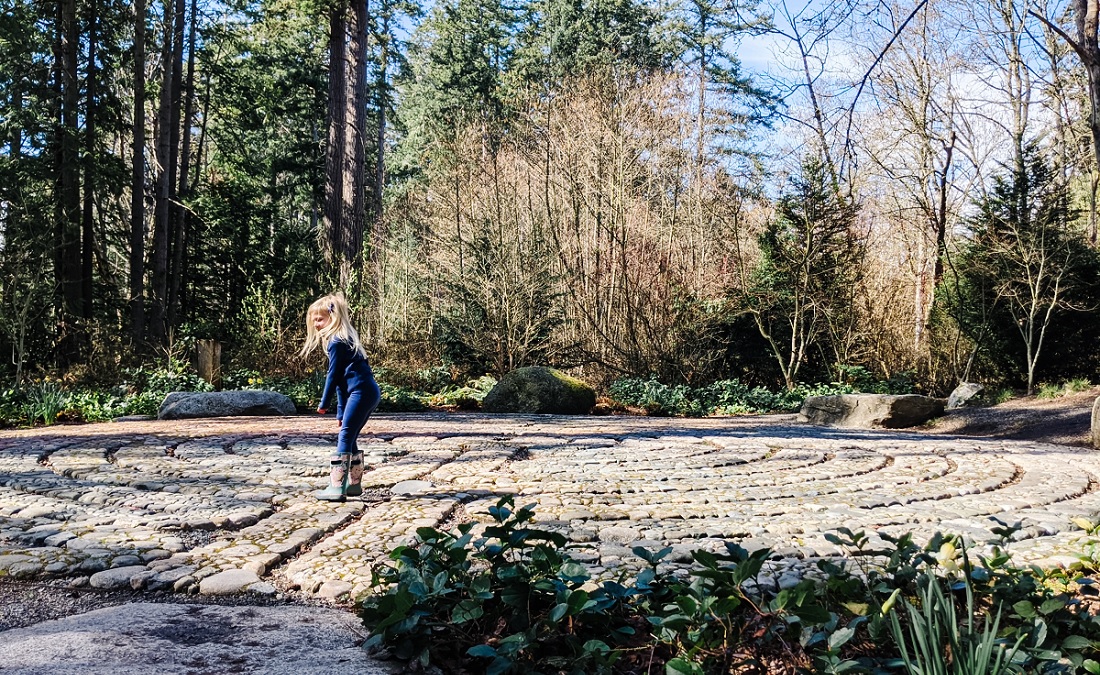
<point x="87" y="214"/>
<point x="137" y="183"/>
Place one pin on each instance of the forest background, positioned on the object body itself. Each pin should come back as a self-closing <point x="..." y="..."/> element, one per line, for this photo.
<point x="906" y="192"/>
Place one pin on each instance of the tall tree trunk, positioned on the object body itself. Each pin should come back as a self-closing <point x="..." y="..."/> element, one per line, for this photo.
<point x="88" y="237"/>
<point x="1088" y="48"/>
<point x="161" y="211"/>
<point x="174" y="208"/>
<point x="137" y="183"/>
<point x="337" y="138"/>
<point x="67" y="186"/>
<point x="378" y="234"/>
<point x="355" y="185"/>
<point x="179" y="248"/>
<point x="383" y="97"/>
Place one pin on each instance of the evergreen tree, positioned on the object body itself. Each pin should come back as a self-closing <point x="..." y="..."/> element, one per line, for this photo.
<point x="457" y="65"/>
<point x="1023" y="269"/>
<point x="564" y="39"/>
<point x="801" y="296"/>
<point x="257" y="208"/>
<point x="728" y="103"/>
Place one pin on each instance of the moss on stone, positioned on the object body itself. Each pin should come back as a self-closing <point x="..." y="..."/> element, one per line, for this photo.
<point x="536" y="389"/>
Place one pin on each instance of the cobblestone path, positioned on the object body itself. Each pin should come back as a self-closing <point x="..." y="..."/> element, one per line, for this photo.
<point x="225" y="505"/>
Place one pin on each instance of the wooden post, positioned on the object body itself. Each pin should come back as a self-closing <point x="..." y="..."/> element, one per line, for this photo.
<point x="210" y="361"/>
<point x="1096" y="423"/>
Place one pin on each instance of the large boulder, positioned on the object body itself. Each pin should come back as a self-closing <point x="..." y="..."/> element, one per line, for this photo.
<point x="539" y="390"/>
<point x="190" y="404"/>
<point x="962" y="394"/>
<point x="867" y="411"/>
<point x="1096" y="423"/>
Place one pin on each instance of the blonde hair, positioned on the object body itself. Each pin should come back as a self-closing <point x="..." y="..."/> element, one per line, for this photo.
<point x="338" y="328"/>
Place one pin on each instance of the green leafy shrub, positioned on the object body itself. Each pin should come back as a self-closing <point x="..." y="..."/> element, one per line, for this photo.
<point x="726" y="397"/>
<point x="304" y="391"/>
<point x="655" y="397"/>
<point x="163" y="381"/>
<point x="994" y="396"/>
<point x="434" y="379"/>
<point x="859" y="379"/>
<point x="512" y="600"/>
<point x="13" y="407"/>
<point x="98" y="405"/>
<point x="399" y="399"/>
<point x="514" y="581"/>
<point x="1077" y="385"/>
<point x="1049" y="390"/>
<point x="143" y="403"/>
<point x="242" y="378"/>
<point x="468" y="397"/>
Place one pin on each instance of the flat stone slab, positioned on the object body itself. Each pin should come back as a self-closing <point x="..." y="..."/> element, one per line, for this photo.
<point x="144" y="638"/>
<point x="228" y="582"/>
<point x="180" y="405"/>
<point x="118" y="577"/>
<point x="411" y="487"/>
<point x="869" y="411"/>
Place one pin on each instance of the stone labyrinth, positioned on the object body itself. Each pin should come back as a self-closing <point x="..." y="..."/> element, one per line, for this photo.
<point x="225" y="505"/>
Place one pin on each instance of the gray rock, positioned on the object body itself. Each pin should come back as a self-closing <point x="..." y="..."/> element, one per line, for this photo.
<point x="411" y="487"/>
<point x="227" y="582"/>
<point x="115" y="578"/>
<point x="577" y="514"/>
<point x="24" y="570"/>
<point x="141" y="579"/>
<point x="963" y="393"/>
<point x="183" y="583"/>
<point x="138" y="639"/>
<point x="93" y="565"/>
<point x="133" y="418"/>
<point x="6" y="561"/>
<point x="189" y="404"/>
<point x="618" y="535"/>
<point x="865" y="411"/>
<point x="262" y="588"/>
<point x="540" y="390"/>
<point x="59" y="538"/>
<point x="155" y="554"/>
<point x="333" y="589"/>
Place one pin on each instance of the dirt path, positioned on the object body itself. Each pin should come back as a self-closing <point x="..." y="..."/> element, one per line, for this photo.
<point x="1065" y="420"/>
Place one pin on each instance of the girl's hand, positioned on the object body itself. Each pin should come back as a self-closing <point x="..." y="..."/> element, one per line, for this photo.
<point x="321" y="411"/>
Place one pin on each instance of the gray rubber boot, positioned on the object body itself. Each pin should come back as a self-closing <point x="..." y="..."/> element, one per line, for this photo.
<point x="337" y="480"/>
<point x="355" y="476"/>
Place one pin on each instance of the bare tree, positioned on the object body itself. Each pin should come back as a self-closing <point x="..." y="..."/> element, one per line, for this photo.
<point x="1086" y="45"/>
<point x="909" y="137"/>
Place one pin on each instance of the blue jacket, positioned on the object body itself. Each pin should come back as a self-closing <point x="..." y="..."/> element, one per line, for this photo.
<point x="347" y="371"/>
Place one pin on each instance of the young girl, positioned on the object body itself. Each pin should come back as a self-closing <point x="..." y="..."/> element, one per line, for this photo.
<point x="351" y="380"/>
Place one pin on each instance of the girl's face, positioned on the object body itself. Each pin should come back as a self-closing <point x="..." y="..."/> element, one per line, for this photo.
<point x="320" y="320"/>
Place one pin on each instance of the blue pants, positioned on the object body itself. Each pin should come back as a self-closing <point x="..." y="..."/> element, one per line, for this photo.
<point x="357" y="409"/>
